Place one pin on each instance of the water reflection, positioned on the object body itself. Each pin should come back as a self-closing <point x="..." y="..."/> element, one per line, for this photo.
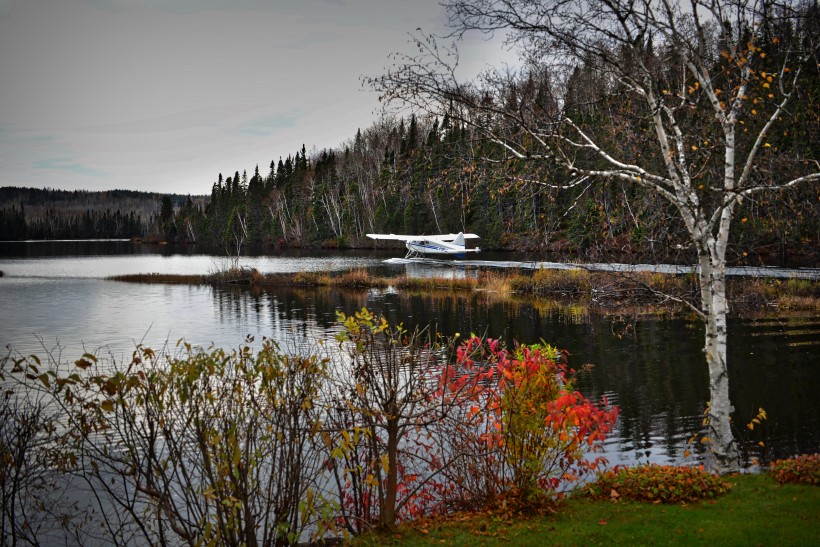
<point x="651" y="367"/>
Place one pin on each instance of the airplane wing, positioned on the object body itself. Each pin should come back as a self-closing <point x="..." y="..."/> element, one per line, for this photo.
<point x="394" y="237"/>
<point x="450" y="237"/>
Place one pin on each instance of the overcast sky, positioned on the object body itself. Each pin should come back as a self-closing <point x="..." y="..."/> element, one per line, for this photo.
<point x="163" y="95"/>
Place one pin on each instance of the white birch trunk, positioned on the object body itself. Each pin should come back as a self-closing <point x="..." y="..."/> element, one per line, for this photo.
<point x="715" y="307"/>
<point x="189" y="228"/>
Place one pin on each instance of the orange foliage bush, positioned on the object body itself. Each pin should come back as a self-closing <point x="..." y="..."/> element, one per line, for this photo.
<point x="657" y="483"/>
<point x="803" y="469"/>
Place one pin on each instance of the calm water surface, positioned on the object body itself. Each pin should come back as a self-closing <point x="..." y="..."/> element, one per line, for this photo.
<point x="53" y="297"/>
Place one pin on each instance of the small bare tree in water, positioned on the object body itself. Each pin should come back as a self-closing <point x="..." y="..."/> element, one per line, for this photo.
<point x="707" y="103"/>
<point x="384" y="397"/>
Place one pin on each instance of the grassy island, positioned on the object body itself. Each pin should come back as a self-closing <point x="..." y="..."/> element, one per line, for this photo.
<point x="604" y="289"/>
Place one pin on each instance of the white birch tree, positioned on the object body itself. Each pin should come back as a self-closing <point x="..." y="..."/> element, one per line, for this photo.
<point x="704" y="90"/>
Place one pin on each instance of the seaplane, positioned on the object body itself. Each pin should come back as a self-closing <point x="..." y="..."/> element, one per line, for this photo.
<point x="443" y="244"/>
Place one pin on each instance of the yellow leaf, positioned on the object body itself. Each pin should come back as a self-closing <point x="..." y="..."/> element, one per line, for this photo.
<point x="107" y="406"/>
<point x="385" y="463"/>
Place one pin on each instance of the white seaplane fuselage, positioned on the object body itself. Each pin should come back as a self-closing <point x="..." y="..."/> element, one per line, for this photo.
<point x="444" y="244"/>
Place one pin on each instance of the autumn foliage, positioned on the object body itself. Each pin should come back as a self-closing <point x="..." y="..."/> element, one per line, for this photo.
<point x="429" y="427"/>
<point x="267" y="445"/>
<point x="803" y="469"/>
<point x="657" y="484"/>
<point x="519" y="431"/>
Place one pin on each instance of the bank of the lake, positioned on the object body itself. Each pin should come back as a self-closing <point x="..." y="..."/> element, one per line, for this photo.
<point x="615" y="290"/>
<point x="757" y="511"/>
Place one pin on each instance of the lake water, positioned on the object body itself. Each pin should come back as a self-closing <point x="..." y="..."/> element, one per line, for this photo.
<point x="53" y="297"/>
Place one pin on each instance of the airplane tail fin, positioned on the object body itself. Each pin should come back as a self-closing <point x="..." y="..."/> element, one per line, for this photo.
<point x="459" y="240"/>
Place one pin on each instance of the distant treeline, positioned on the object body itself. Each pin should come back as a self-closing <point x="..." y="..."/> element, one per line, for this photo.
<point x="30" y="213"/>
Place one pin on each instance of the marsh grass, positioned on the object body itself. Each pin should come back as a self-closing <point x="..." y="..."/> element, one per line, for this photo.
<point x="358" y="279"/>
<point x="234" y="276"/>
<point x="544" y="281"/>
<point x="301" y="279"/>
<point x="790" y="294"/>
<point x="603" y="289"/>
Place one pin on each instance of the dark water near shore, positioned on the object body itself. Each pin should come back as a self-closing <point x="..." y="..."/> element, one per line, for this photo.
<point x="53" y="298"/>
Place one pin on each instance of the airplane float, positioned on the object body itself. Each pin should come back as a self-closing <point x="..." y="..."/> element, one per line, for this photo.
<point x="444" y="244"/>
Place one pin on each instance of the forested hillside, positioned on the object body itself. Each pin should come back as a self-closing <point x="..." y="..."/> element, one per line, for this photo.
<point x="30" y="213"/>
<point x="414" y="176"/>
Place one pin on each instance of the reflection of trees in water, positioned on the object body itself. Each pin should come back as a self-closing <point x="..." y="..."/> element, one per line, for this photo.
<point x="280" y="314"/>
<point x="774" y="366"/>
<point x="651" y="366"/>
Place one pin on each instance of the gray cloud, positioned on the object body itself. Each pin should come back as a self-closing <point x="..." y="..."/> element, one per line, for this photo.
<point x="311" y="40"/>
<point x="268" y="125"/>
<point x="165" y="94"/>
<point x="182" y="6"/>
<point x="67" y="165"/>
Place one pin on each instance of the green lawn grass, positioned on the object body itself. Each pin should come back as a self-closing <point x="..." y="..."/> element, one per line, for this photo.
<point x="757" y="511"/>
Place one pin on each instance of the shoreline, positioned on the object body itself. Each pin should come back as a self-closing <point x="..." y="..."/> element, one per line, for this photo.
<point x="601" y="289"/>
